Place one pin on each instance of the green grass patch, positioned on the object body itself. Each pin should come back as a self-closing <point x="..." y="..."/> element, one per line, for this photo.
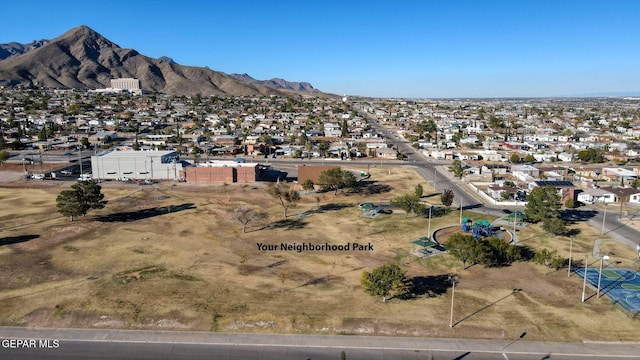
<point x="612" y="275"/>
<point x="631" y="287"/>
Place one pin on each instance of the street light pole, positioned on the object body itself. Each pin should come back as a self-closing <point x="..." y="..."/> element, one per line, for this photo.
<point x="453" y="280"/>
<point x="429" y="228"/>
<point x="602" y="259"/>
<point x="80" y="160"/>
<point x="584" y="282"/>
<point x="604" y="217"/>
<point x="515" y="217"/>
<point x="461" y="208"/>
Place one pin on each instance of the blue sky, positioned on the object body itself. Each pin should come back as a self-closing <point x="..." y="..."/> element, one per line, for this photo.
<point x="444" y="48"/>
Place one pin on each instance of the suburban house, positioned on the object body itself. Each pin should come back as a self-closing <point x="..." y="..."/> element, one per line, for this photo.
<point x="565" y="188"/>
<point x="596" y="195"/>
<point x="624" y="194"/>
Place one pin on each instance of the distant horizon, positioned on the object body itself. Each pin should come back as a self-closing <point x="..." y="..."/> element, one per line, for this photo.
<point x="417" y="49"/>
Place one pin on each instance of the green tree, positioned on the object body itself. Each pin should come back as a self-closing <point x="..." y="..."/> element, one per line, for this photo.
<point x="386" y="280"/>
<point x="85" y="143"/>
<point x="590" y="155"/>
<point x="447" y="197"/>
<point x="456" y="168"/>
<point x="82" y="197"/>
<point x="554" y="225"/>
<point x="542" y="202"/>
<point x="308" y="185"/>
<point x="408" y="202"/>
<point x="529" y="158"/>
<point x="548" y="258"/>
<point x="287" y="196"/>
<point x="570" y="204"/>
<point x="496" y="251"/>
<point x="464" y="248"/>
<point x="419" y="191"/>
<point x="344" y="129"/>
<point x="323" y="146"/>
<point x="336" y="179"/>
<point x="4" y="156"/>
<point x="515" y="158"/>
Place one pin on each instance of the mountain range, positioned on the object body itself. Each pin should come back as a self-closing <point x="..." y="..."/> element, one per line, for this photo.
<point x="83" y="59"/>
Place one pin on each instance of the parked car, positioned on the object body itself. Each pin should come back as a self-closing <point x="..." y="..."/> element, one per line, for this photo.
<point x="66" y="172"/>
<point x="37" y="176"/>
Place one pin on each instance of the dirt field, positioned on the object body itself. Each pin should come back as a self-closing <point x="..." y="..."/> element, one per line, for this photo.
<point x="169" y="257"/>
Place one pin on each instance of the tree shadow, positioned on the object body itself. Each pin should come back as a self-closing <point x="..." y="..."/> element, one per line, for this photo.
<point x="573" y="215"/>
<point x="144" y="213"/>
<point x="17" y="239"/>
<point x="333" y="207"/>
<point x="472" y="206"/>
<point x="572" y="232"/>
<point x="287" y="224"/>
<point x="486" y="306"/>
<point x="428" y="286"/>
<point x="438" y="211"/>
<point x="526" y="253"/>
<point x="371" y="188"/>
<point x="252" y="269"/>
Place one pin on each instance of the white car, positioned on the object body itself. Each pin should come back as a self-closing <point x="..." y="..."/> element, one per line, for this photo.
<point x="37" y="176"/>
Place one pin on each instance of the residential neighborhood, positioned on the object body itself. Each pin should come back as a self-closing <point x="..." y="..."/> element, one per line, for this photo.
<point x="588" y="148"/>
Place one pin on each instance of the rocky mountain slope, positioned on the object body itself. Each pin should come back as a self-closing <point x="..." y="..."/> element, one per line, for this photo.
<point x="83" y="59"/>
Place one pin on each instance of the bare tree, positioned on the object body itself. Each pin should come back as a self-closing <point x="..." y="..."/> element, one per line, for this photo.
<point x="286" y="194"/>
<point x="246" y="215"/>
<point x="283" y="276"/>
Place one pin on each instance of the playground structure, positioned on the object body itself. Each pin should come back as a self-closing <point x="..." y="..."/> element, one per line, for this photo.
<point x="480" y="228"/>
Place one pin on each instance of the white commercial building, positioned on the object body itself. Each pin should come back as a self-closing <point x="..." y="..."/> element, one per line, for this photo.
<point x="130" y="84"/>
<point x="137" y="165"/>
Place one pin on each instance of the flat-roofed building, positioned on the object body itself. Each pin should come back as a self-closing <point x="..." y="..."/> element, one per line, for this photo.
<point x="129" y="84"/>
<point x="136" y="165"/>
<point x="223" y="172"/>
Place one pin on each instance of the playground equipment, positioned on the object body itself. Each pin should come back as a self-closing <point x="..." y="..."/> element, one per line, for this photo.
<point x="481" y="228"/>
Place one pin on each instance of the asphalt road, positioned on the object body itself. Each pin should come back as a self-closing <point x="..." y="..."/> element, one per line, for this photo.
<point x="123" y="344"/>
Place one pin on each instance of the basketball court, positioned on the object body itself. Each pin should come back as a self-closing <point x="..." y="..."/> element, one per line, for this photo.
<point x="621" y="285"/>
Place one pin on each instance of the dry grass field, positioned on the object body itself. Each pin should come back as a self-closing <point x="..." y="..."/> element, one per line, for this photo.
<point x="170" y="257"/>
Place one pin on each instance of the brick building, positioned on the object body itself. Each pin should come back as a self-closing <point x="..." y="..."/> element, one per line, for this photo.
<point x="223" y="172"/>
<point x="306" y="172"/>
